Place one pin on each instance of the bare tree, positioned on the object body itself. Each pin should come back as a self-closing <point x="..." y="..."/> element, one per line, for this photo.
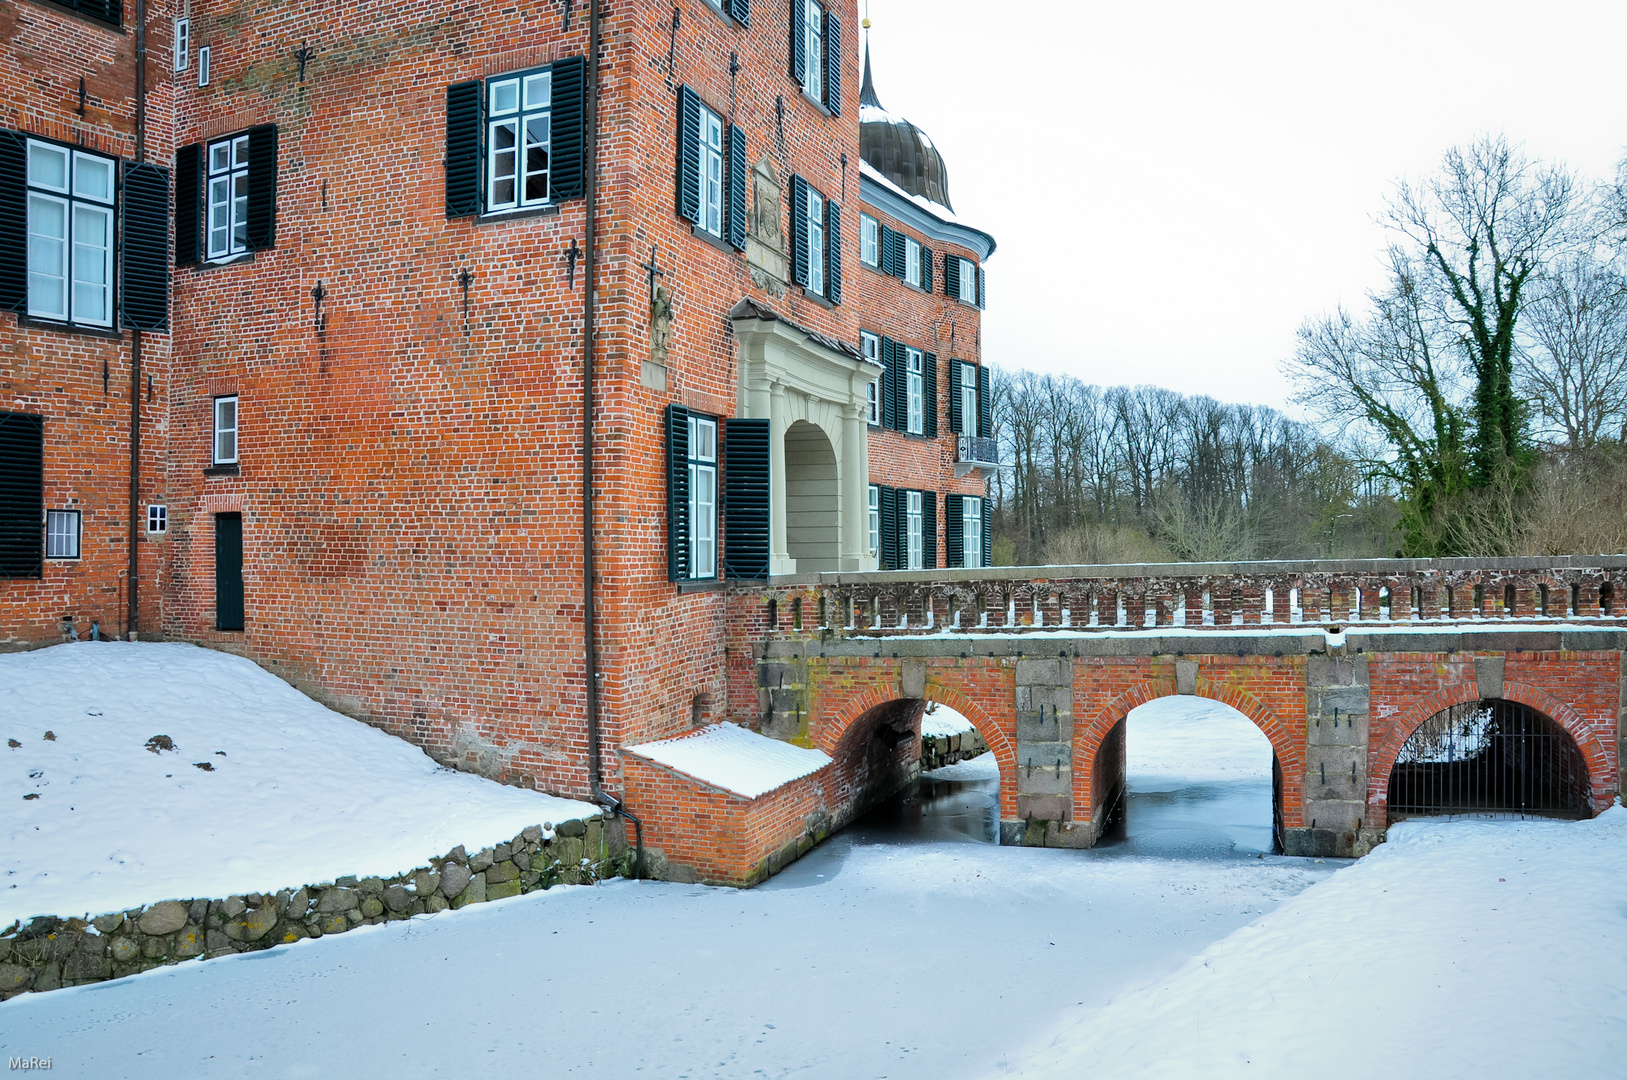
<point x="1574" y="367"/>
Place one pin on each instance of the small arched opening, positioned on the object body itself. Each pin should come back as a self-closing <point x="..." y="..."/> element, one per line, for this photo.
<point x="1490" y="756"/>
<point x="811" y="497"/>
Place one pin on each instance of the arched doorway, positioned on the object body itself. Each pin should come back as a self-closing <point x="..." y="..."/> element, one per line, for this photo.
<point x="812" y="533"/>
<point x="1487" y="757"/>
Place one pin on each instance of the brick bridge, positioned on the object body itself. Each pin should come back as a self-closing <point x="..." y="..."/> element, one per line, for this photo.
<point x="1338" y="663"/>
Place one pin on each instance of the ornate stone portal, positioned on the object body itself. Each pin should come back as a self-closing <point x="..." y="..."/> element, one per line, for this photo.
<point x="765" y="239"/>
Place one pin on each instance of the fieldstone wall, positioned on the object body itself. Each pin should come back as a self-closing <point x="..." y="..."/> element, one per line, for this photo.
<point x="940" y="750"/>
<point x="53" y="952"/>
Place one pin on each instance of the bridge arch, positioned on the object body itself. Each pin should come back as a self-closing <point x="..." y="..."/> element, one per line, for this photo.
<point x="1383" y="753"/>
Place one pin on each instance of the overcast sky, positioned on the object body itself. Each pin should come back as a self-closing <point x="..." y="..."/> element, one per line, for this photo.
<point x="1175" y="187"/>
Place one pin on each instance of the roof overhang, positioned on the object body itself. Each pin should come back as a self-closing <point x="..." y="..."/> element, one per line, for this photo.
<point x="876" y="192"/>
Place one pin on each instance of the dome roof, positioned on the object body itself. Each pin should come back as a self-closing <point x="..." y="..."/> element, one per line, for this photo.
<point x="899" y="150"/>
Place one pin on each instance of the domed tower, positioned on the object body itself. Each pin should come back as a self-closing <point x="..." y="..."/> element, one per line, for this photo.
<point x="899" y="150"/>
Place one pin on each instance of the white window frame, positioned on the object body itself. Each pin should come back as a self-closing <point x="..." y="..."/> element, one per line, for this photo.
<point x="870" y="345"/>
<point x="968" y="398"/>
<point x="203" y="65"/>
<point x="875" y="521"/>
<point x="157" y="519"/>
<point x="816" y="242"/>
<point x="917" y="391"/>
<point x="224" y="448"/>
<point x="912" y="261"/>
<point x="62" y="534"/>
<point x="182" y="43"/>
<point x="813" y="50"/>
<point x="70" y="235"/>
<point x="968" y="282"/>
<point x="971" y="531"/>
<point x="710" y="149"/>
<point x="914" y="527"/>
<point x="702" y="497"/>
<point x="869" y="241"/>
<point x="226" y="162"/>
<point x="521" y="102"/>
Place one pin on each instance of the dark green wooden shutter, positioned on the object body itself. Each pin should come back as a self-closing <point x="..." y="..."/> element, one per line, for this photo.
<point x="988" y="534"/>
<point x="798" y="61"/>
<point x="926" y="267"/>
<point x="929" y="530"/>
<point x="677" y="422"/>
<point x="899" y="255"/>
<point x="229" y="570"/>
<point x="884" y="248"/>
<point x="888" y="498"/>
<point x="833" y="252"/>
<point x="262" y="216"/>
<point x="980" y="287"/>
<point x="13" y="222"/>
<point x="799" y="230"/>
<point x="22" y="495"/>
<point x="737" y="188"/>
<point x="462" y="153"/>
<point x="189" y="203"/>
<point x="889" y="377"/>
<point x="740" y="10"/>
<point x="107" y="10"/>
<point x="567" y="167"/>
<point x="951" y="275"/>
<point x="746" y="499"/>
<point x="689" y="155"/>
<point x="985" y="407"/>
<point x="929" y="395"/>
<point x="833" y="63"/>
<point x="954" y="531"/>
<point x="956" y="421"/>
<point x="144" y="248"/>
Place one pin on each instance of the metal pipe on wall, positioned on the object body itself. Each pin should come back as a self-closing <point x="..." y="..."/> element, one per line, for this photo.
<point x="132" y="611"/>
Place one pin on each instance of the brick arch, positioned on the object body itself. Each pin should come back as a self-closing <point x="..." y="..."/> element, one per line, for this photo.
<point x="1088" y="738"/>
<point x="1382" y="755"/>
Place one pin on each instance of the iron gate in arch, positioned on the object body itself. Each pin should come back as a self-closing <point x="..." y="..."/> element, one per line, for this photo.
<point x="1489" y="756"/>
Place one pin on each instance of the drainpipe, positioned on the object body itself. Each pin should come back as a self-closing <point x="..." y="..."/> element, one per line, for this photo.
<point x="610" y="803"/>
<point x="133" y="607"/>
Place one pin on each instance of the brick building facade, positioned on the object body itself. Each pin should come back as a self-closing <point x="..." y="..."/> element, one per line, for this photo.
<point x="361" y="405"/>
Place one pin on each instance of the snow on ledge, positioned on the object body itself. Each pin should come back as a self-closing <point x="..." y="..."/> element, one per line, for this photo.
<point x="730" y="757"/>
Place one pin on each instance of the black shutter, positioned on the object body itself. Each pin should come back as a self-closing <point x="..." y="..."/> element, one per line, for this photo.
<point x="888" y="498"/>
<point x="262" y="223"/>
<point x="22" y="495"/>
<point x="462" y="155"/>
<point x="746" y="498"/>
<point x="229" y="570"/>
<point x="189" y="203"/>
<point x="13" y="222"/>
<point x="677" y="493"/>
<point x="957" y="423"/>
<point x="929" y="395"/>
<point x="889" y="376"/>
<point x="799" y="230"/>
<point x="798" y="61"/>
<point x="833" y="252"/>
<point x="980" y="287"/>
<point x="740" y="10"/>
<point x="929" y="530"/>
<point x="833" y="63"/>
<point x="884" y="248"/>
<point x="951" y="275"/>
<point x="737" y="188"/>
<point x="898" y="269"/>
<point x="985" y="410"/>
<point x="988" y="535"/>
<point x="954" y="531"/>
<point x="567" y="169"/>
<point x="926" y="267"/>
<point x="689" y="155"/>
<point x="144" y="248"/>
<point x="106" y="10"/>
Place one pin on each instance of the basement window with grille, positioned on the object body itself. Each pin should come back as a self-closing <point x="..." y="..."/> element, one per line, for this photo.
<point x="70" y="235"/>
<point x="62" y="534"/>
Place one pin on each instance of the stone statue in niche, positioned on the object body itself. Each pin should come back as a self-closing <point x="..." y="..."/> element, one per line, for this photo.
<point x="765" y="237"/>
<point x="654" y="370"/>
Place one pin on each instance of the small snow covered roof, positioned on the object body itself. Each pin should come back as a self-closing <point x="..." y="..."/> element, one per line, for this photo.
<point x="730" y="757"/>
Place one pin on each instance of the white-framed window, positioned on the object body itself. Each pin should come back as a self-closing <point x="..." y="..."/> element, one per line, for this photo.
<point x="203" y="65"/>
<point x="183" y="43"/>
<point x="225" y="441"/>
<point x="816" y="242"/>
<point x="62" y="534"/>
<point x="813" y="49"/>
<point x="971" y="531"/>
<point x="968" y="399"/>
<point x="711" y="159"/>
<point x="875" y="521"/>
<point x="917" y="389"/>
<point x="912" y="261"/>
<point x="228" y="197"/>
<point x="518" y="140"/>
<point x="968" y="281"/>
<point x="702" y="497"/>
<point x="871" y="344"/>
<point x="869" y="241"/>
<point x="913" y="527"/>
<point x="70" y="235"/>
<point x="157" y="519"/>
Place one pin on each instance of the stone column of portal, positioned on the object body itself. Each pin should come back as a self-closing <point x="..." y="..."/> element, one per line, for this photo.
<point x="779" y="558"/>
<point x="854" y="484"/>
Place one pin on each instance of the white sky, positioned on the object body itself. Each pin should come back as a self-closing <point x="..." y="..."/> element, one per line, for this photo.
<point x="1175" y="187"/>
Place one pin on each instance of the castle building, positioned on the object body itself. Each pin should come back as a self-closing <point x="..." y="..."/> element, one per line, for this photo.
<point x="299" y="303"/>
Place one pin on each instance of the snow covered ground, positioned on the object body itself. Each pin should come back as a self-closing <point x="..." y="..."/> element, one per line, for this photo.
<point x="262" y="789"/>
<point x="942" y="720"/>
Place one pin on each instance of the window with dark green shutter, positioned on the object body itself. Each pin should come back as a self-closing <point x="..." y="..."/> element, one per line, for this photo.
<point x="833" y="257"/>
<point x="889" y="527"/>
<point x="957" y="422"/>
<point x="929" y="394"/>
<point x="689" y="162"/>
<point x="988" y="532"/>
<point x="953" y="531"/>
<point x="568" y="140"/>
<point x="981" y="302"/>
<point x="799" y="230"/>
<point x="926" y="267"/>
<point x="799" y="41"/>
<point x="462" y="153"/>
<point x="677" y="439"/>
<point x="884" y="252"/>
<point x="951" y="275"/>
<point x="740" y="11"/>
<point x="833" y="63"/>
<point x="746" y="499"/>
<point x="262" y="203"/>
<point x="22" y="494"/>
<point x="189" y="203"/>
<point x="737" y="188"/>
<point x="13" y="221"/>
<point x="890" y="411"/>
<point x="144" y="248"/>
<point x="929" y="530"/>
<point x="985" y="413"/>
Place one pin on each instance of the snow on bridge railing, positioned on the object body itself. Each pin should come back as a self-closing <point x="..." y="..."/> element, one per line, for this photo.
<point x="1210" y="596"/>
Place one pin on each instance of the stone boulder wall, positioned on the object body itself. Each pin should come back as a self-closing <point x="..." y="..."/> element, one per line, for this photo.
<point x="51" y="952"/>
<point x="940" y="750"/>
